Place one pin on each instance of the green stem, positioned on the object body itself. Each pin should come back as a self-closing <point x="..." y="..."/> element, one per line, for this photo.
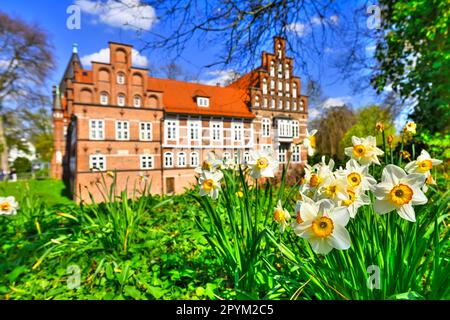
<point x="384" y="147"/>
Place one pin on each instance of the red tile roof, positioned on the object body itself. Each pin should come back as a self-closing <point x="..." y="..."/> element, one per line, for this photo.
<point x="179" y="97"/>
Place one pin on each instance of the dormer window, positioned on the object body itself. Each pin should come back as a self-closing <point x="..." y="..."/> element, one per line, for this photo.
<point x="202" y="102"/>
<point x="279" y="52"/>
<point x="120" y="78"/>
<point x="137" y="101"/>
<point x="272" y="69"/>
<point x="103" y="98"/>
<point x="286" y="71"/>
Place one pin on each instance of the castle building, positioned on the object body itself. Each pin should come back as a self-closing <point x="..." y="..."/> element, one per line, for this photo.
<point x="115" y="117"/>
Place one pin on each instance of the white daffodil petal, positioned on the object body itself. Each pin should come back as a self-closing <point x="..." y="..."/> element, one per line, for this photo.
<point x="407" y="212"/>
<point x="383" y="206"/>
<point x="340" y="238"/>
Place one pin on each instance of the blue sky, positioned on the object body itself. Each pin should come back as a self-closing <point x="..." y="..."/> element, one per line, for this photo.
<point x="97" y="29"/>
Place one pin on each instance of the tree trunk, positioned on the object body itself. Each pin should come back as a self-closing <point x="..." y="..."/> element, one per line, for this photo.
<point x="3" y="148"/>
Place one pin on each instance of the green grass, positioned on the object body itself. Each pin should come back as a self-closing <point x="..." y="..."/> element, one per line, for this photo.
<point x="52" y="192"/>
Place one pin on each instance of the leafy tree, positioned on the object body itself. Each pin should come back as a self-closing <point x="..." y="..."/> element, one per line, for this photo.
<point x="413" y="57"/>
<point x="332" y="127"/>
<point x="26" y="59"/>
<point x="365" y="124"/>
<point x="22" y="165"/>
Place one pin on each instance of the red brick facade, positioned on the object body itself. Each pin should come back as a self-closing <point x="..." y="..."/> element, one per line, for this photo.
<point x="115" y="117"/>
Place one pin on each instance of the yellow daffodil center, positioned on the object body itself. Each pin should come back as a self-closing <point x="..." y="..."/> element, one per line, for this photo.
<point x="239" y="194"/>
<point x="359" y="150"/>
<point x="206" y="165"/>
<point x="322" y="227"/>
<point x="351" y="198"/>
<point x="331" y="190"/>
<point x="354" y="179"/>
<point x="5" y="206"/>
<point x="262" y="163"/>
<point x="429" y="179"/>
<point x="312" y="142"/>
<point x="279" y="215"/>
<point x="401" y="194"/>
<point x="314" y="181"/>
<point x="425" y="165"/>
<point x="208" y="184"/>
<point x="299" y="217"/>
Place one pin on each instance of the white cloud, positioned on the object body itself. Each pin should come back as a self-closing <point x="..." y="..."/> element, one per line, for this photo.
<point x="334" y="20"/>
<point x="316" y="20"/>
<point x="223" y="77"/>
<point x="125" y="14"/>
<point x="103" y="56"/>
<point x="335" y="102"/>
<point x="300" y="29"/>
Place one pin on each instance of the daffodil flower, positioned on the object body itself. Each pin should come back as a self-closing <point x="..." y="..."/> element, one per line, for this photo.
<point x="262" y="164"/>
<point x="364" y="150"/>
<point x="211" y="163"/>
<point x="357" y="176"/>
<point x="335" y="189"/>
<point x="210" y="184"/>
<point x="410" y="127"/>
<point x="356" y="199"/>
<point x="310" y="142"/>
<point x="281" y="216"/>
<point x="399" y="191"/>
<point x="316" y="176"/>
<point x="423" y="165"/>
<point x="323" y="225"/>
<point x="8" y="206"/>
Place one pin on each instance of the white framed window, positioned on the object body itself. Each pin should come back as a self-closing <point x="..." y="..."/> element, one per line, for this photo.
<point x="294" y="90"/>
<point x="266" y="104"/>
<point x="216" y="130"/>
<point x="237" y="128"/>
<point x="264" y="86"/>
<point x="202" y="102"/>
<point x="288" y="105"/>
<point x="280" y="104"/>
<point x="122" y="130"/>
<point x="246" y="157"/>
<point x="96" y="129"/>
<point x="272" y="85"/>
<point x="181" y="159"/>
<point x="284" y="128"/>
<point x="120" y="78"/>
<point x="145" y="131"/>
<point x="195" y="160"/>
<point x="171" y="129"/>
<point x="104" y="98"/>
<point x="272" y="103"/>
<point x="266" y="148"/>
<point x="302" y="105"/>
<point x="282" y="155"/>
<point x="168" y="159"/>
<point x="286" y="71"/>
<point x="280" y="86"/>
<point x="257" y="101"/>
<point x="279" y="54"/>
<point x="226" y="156"/>
<point x="294" y="106"/>
<point x="288" y="87"/>
<point x="296" y="154"/>
<point x="265" y="127"/>
<point x="146" y="162"/>
<point x="121" y="100"/>
<point x="295" y="129"/>
<point x="194" y="130"/>
<point x="97" y="162"/>
<point x="280" y="71"/>
<point x="137" y="101"/>
<point x="272" y="69"/>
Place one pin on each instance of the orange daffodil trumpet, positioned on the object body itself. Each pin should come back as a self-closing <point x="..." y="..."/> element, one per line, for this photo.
<point x="323" y="225"/>
<point x="210" y="183"/>
<point x="364" y="150"/>
<point x="281" y="216"/>
<point x="8" y="206"/>
<point x="423" y="165"/>
<point x="211" y="163"/>
<point x="399" y="191"/>
<point x="262" y="165"/>
<point x="310" y="142"/>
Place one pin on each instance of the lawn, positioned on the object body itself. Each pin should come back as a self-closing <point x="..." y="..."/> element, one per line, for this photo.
<point x="50" y="191"/>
